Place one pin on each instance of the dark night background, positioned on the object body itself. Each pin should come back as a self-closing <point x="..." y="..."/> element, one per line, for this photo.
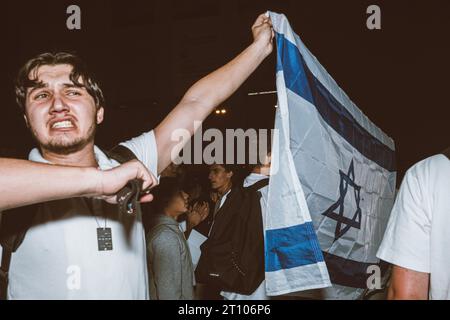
<point x="147" y="53"/>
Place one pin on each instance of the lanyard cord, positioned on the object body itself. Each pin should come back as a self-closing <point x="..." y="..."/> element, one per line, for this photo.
<point x="90" y="206"/>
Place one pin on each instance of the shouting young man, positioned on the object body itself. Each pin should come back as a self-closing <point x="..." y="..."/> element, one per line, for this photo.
<point x="80" y="248"/>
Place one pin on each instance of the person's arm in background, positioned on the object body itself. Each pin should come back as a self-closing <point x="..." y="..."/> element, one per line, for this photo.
<point x="407" y="284"/>
<point x="197" y="215"/>
<point x="201" y="99"/>
<point x="24" y="182"/>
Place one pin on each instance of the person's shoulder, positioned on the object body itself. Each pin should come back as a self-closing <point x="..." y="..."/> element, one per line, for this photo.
<point x="436" y="160"/>
<point x="144" y="138"/>
<point x="430" y="167"/>
<point x="163" y="235"/>
<point x="145" y="149"/>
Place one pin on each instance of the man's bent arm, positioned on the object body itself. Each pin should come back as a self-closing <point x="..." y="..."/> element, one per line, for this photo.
<point x="201" y="99"/>
<point x="407" y="284"/>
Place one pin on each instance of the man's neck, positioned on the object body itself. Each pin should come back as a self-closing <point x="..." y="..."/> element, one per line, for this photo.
<point x="224" y="189"/>
<point x="172" y="214"/>
<point x="81" y="158"/>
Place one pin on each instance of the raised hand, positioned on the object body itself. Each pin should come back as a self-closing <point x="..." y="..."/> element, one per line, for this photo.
<point x="199" y="212"/>
<point x="263" y="32"/>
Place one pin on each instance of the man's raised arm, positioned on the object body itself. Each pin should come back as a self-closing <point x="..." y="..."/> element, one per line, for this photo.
<point x="210" y="91"/>
<point x="25" y="182"/>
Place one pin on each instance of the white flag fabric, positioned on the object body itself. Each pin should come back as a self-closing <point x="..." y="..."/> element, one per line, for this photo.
<point x="333" y="188"/>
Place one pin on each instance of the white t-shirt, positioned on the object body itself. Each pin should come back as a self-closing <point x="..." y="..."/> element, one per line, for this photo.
<point x="59" y="257"/>
<point x="417" y="236"/>
<point x="260" y="292"/>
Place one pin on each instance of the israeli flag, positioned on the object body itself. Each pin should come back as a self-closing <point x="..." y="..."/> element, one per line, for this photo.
<point x="333" y="190"/>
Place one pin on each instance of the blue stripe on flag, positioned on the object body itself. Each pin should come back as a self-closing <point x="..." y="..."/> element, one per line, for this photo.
<point x="292" y="247"/>
<point x="289" y="60"/>
<point x="300" y="80"/>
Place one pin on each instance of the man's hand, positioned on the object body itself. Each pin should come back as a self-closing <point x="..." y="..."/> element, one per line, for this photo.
<point x="111" y="181"/>
<point x="199" y="212"/>
<point x="263" y="33"/>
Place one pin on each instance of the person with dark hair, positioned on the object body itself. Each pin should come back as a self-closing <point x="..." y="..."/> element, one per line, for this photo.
<point x="228" y="189"/>
<point x="79" y="77"/>
<point x="171" y="274"/>
<point x="221" y="181"/>
<point x="62" y="106"/>
<point x="198" y="207"/>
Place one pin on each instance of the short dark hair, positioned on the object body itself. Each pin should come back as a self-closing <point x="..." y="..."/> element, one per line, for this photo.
<point x="229" y="167"/>
<point x="167" y="189"/>
<point x="23" y="81"/>
<point x="236" y="169"/>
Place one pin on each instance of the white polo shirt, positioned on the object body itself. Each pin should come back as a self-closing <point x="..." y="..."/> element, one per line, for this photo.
<point x="417" y="236"/>
<point x="59" y="257"/>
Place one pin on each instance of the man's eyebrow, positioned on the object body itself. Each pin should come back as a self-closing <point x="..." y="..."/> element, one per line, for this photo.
<point x="41" y="85"/>
<point x="37" y="86"/>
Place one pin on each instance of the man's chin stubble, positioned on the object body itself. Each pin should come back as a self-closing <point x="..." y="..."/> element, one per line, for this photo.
<point x="65" y="148"/>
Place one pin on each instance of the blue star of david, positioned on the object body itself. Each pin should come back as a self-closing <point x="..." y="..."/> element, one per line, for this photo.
<point x="346" y="181"/>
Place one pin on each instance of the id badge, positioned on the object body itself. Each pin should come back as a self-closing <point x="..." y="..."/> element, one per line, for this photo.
<point x="104" y="239"/>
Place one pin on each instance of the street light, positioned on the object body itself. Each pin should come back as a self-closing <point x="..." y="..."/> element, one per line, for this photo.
<point x="221" y="111"/>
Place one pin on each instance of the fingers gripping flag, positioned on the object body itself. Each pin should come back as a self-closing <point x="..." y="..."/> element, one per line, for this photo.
<point x="333" y="188"/>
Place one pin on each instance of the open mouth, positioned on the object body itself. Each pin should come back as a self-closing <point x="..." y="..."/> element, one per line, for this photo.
<point x="65" y="124"/>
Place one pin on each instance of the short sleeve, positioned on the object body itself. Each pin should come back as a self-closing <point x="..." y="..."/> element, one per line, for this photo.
<point x="144" y="147"/>
<point x="406" y="242"/>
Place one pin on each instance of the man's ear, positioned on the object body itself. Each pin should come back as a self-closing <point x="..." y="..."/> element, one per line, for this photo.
<point x="100" y="114"/>
<point x="230" y="174"/>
